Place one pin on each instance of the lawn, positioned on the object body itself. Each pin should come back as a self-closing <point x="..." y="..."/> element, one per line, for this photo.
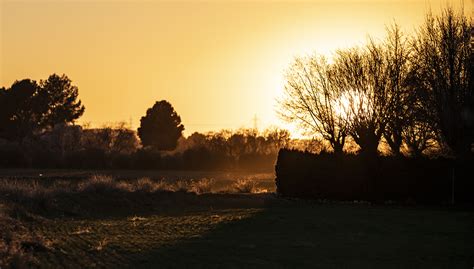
<point x="161" y="229"/>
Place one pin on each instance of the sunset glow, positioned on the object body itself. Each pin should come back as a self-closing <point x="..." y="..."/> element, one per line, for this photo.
<point x="236" y="133"/>
<point x="219" y="63"/>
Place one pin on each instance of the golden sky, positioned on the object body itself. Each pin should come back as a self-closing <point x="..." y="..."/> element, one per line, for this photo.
<point x="219" y="63"/>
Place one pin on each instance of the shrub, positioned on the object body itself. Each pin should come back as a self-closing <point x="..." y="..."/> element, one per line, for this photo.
<point x="31" y="192"/>
<point x="99" y="183"/>
<point x="353" y="177"/>
<point x="181" y="186"/>
<point x="202" y="186"/>
<point x="145" y="185"/>
<point x="245" y="186"/>
<point x="17" y="244"/>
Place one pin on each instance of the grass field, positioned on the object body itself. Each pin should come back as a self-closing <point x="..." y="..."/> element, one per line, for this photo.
<point x="129" y="227"/>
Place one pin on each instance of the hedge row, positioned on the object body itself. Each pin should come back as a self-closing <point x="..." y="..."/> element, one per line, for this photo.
<point x="191" y="159"/>
<point x="353" y="177"/>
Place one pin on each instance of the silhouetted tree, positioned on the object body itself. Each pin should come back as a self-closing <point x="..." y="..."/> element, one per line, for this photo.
<point x="397" y="57"/>
<point x="21" y="110"/>
<point x="420" y="130"/>
<point x="237" y="145"/>
<point x="125" y="140"/>
<point x="218" y="142"/>
<point x="197" y="140"/>
<point x="116" y="139"/>
<point x="419" y="136"/>
<point x="443" y="62"/>
<point x="98" y="138"/>
<point x="161" y="127"/>
<point x="63" y="138"/>
<point x="362" y="75"/>
<point x="276" y="139"/>
<point x="26" y="107"/>
<point x="313" y="100"/>
<point x="4" y="113"/>
<point x="60" y="98"/>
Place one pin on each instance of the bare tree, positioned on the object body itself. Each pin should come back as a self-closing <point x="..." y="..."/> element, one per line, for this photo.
<point x="443" y="61"/>
<point x="419" y="136"/>
<point x="397" y="57"/>
<point x="362" y="75"/>
<point x="420" y="129"/>
<point x="313" y="101"/>
<point x="276" y="139"/>
<point x="125" y="140"/>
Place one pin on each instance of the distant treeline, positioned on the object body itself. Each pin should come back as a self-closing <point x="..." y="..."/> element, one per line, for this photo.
<point x="37" y="130"/>
<point x="381" y="179"/>
<point x="411" y="94"/>
<point x="69" y="146"/>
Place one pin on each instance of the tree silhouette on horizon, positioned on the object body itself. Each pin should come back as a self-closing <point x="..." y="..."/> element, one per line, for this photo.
<point x="161" y="127"/>
<point x="28" y="107"/>
<point x="61" y="98"/>
<point x="443" y="67"/>
<point x="412" y="93"/>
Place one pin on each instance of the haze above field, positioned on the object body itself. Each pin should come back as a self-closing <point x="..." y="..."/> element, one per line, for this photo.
<point x="218" y="63"/>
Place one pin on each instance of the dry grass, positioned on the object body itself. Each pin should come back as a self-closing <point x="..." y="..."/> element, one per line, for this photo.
<point x="42" y="192"/>
<point x="100" y="183"/>
<point x="81" y="231"/>
<point x="201" y="186"/>
<point x="12" y="255"/>
<point x="17" y="244"/>
<point x="147" y="185"/>
<point x="29" y="201"/>
<point x="101" y="245"/>
<point x="247" y="185"/>
<point x="19" y="190"/>
<point x="157" y="230"/>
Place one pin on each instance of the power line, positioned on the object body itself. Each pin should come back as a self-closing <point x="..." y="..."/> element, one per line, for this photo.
<point x="255" y="122"/>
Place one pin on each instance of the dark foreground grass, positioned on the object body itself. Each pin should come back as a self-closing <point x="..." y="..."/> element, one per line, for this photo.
<point x="322" y="236"/>
<point x="120" y="229"/>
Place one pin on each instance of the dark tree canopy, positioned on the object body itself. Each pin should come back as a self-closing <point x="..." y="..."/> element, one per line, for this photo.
<point x="443" y="66"/>
<point x="413" y="93"/>
<point x="61" y="99"/>
<point x="20" y="109"/>
<point x="28" y="107"/>
<point x="397" y="56"/>
<point x="362" y="74"/>
<point x="161" y="127"/>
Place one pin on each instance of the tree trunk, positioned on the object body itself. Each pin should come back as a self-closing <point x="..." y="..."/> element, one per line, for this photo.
<point x="368" y="143"/>
<point x="395" y="143"/>
<point x="337" y="147"/>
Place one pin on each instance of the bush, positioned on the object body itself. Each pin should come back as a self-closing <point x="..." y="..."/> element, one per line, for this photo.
<point x="98" y="184"/>
<point x="245" y="186"/>
<point x="145" y="185"/>
<point x="202" y="186"/>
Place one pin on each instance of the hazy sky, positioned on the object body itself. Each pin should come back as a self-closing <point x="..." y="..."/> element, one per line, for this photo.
<point x="219" y="63"/>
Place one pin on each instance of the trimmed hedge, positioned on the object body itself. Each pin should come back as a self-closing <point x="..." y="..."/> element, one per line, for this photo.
<point x="353" y="177"/>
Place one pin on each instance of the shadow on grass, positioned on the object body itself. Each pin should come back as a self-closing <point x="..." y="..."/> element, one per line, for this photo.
<point x="118" y="205"/>
<point x="259" y="230"/>
<point x="328" y="236"/>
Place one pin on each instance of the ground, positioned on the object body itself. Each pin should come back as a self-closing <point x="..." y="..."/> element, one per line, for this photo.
<point x="113" y="229"/>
